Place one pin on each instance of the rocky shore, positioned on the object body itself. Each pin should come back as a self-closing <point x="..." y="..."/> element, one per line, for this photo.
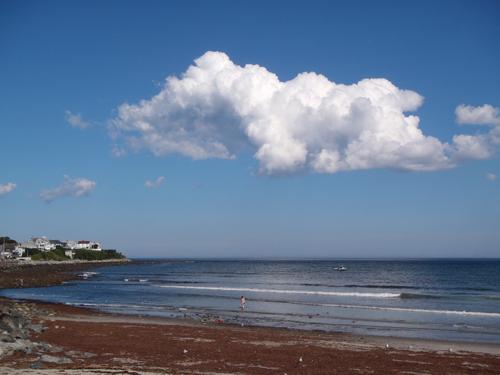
<point x="20" y="321"/>
<point x="46" y="273"/>
<point x="16" y="330"/>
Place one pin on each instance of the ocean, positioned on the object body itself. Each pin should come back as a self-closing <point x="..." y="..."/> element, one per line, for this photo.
<point x="432" y="299"/>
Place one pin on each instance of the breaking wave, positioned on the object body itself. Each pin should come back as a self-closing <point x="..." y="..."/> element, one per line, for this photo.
<point x="403" y="309"/>
<point x="282" y="291"/>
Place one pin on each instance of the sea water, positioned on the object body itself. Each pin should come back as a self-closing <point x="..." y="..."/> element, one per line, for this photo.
<point x="438" y="299"/>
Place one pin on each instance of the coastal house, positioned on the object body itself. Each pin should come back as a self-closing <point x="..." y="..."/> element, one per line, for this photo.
<point x="40" y="243"/>
<point x="84" y="245"/>
<point x="58" y="243"/>
<point x="88" y="245"/>
<point x="95" y="246"/>
<point x="18" y="251"/>
<point x="72" y="245"/>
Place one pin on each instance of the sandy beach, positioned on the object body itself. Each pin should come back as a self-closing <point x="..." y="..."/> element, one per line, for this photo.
<point x="71" y="340"/>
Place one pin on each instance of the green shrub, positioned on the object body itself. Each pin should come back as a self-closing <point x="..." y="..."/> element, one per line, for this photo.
<point x="56" y="254"/>
<point x="97" y="255"/>
<point x="31" y="252"/>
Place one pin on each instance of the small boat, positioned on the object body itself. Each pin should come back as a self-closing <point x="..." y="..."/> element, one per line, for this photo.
<point x="340" y="268"/>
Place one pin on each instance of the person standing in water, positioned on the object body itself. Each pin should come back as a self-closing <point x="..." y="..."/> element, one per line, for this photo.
<point x="243" y="303"/>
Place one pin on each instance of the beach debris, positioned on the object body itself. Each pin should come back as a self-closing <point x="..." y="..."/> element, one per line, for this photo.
<point x="387" y="346"/>
<point x="450" y="349"/>
<point x="185" y="351"/>
<point x="300" y="359"/>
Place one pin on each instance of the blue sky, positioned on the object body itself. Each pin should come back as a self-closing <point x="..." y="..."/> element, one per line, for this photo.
<point x="89" y="58"/>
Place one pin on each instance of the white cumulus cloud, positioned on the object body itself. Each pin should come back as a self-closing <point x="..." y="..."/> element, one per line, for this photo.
<point x="71" y="187"/>
<point x="217" y="108"/>
<point x="154" y="184"/>
<point x="75" y="120"/>
<point x="482" y="115"/>
<point x="7" y="188"/>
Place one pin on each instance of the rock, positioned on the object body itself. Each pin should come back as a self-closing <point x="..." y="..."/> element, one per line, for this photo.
<point x="6" y="338"/>
<point x="38" y="328"/>
<point x="49" y="348"/>
<point x="53" y="359"/>
<point x="77" y="354"/>
<point x="36" y="365"/>
<point x="28" y="349"/>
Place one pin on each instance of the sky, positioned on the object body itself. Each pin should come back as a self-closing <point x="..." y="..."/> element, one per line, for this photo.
<point x="253" y="129"/>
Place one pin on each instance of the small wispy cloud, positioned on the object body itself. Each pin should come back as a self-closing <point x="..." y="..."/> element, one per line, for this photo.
<point x="491" y="176"/>
<point x="75" y="120"/>
<point x="71" y="187"/>
<point x="117" y="151"/>
<point x="154" y="184"/>
<point x="7" y="188"/>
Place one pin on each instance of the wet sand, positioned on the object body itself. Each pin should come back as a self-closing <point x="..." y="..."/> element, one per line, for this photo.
<point x="82" y="339"/>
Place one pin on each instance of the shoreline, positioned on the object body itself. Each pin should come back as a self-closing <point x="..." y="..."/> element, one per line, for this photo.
<point x="85" y="314"/>
<point x="159" y="343"/>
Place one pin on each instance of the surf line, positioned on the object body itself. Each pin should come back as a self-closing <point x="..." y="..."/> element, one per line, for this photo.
<point x="404" y="309"/>
<point x="281" y="291"/>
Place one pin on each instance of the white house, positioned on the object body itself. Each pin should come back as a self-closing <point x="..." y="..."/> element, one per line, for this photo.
<point x="40" y="243"/>
<point x="83" y="245"/>
<point x="18" y="251"/>
<point x="95" y="246"/>
<point x="72" y="245"/>
<point x="89" y="245"/>
<point x="58" y="243"/>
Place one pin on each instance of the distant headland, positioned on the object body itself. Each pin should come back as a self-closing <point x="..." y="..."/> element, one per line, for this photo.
<point x="39" y="249"/>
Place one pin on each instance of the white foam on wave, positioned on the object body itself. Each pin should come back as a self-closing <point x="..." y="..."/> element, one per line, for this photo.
<point x="281" y="291"/>
<point x="403" y="309"/>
